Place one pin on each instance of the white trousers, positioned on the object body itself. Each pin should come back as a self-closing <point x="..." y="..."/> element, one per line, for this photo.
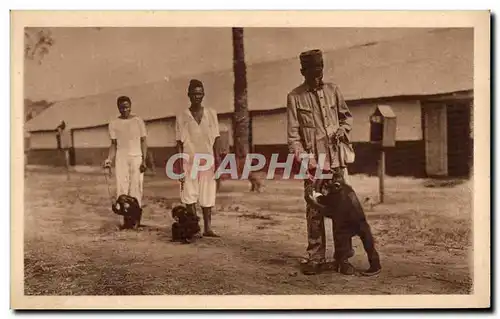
<point x="129" y="178"/>
<point x="347" y="178"/>
<point x="201" y="189"/>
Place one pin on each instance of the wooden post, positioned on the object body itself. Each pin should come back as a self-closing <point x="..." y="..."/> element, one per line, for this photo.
<point x="67" y="162"/>
<point x="382" y="134"/>
<point x="381" y="174"/>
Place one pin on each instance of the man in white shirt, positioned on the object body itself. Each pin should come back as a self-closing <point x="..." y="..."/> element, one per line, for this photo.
<point x="197" y="132"/>
<point x="128" y="144"/>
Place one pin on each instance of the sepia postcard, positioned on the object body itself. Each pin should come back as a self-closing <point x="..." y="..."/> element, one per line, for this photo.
<point x="250" y="160"/>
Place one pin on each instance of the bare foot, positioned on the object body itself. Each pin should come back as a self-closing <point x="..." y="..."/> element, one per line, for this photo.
<point x="210" y="233"/>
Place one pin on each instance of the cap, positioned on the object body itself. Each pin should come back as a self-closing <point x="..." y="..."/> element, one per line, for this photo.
<point x="194" y="83"/>
<point x="311" y="58"/>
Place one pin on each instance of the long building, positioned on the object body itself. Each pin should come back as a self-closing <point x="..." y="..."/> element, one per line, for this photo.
<point x="427" y="80"/>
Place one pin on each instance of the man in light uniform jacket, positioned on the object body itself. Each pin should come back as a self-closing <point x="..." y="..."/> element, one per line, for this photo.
<point x="318" y="122"/>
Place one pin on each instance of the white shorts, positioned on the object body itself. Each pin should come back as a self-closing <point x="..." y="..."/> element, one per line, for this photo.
<point x="202" y="190"/>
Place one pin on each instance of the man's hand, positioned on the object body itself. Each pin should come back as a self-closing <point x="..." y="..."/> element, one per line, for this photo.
<point x="312" y="164"/>
<point x="143" y="167"/>
<point x="107" y="163"/>
<point x="183" y="178"/>
<point x="311" y="161"/>
<point x="340" y="134"/>
<point x="217" y="162"/>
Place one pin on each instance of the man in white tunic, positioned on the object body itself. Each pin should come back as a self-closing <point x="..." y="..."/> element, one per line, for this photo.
<point x="197" y="132"/>
<point x="128" y="144"/>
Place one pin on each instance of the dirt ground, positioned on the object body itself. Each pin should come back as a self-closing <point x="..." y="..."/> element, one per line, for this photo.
<point x="72" y="246"/>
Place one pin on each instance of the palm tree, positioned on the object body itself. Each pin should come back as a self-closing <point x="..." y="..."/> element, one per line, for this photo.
<point x="241" y="118"/>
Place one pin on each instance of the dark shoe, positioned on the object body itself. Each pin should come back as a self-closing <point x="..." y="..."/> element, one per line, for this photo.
<point x="345" y="268"/>
<point x="371" y="271"/>
<point x="310" y="268"/>
<point x="374" y="269"/>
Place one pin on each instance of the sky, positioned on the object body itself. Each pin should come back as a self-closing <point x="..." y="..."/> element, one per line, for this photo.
<point x="87" y="61"/>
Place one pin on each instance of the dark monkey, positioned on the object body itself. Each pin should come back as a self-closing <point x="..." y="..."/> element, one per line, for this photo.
<point x="338" y="201"/>
<point x="128" y="207"/>
<point x="186" y="225"/>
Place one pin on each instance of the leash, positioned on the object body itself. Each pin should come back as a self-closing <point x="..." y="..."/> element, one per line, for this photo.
<point x="106" y="174"/>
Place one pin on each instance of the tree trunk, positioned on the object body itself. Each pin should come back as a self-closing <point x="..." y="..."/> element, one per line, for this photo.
<point x="241" y="118"/>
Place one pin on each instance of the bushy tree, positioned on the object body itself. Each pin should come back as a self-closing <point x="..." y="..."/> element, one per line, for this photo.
<point x="37" y="42"/>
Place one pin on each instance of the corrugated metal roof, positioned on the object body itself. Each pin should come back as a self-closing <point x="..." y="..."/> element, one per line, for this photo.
<point x="433" y="63"/>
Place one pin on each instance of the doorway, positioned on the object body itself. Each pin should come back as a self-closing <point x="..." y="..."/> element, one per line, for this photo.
<point x="460" y="151"/>
<point x="436" y="139"/>
<point x="448" y="138"/>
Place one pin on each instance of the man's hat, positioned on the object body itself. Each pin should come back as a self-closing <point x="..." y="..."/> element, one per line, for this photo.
<point x="311" y="58"/>
<point x="194" y="83"/>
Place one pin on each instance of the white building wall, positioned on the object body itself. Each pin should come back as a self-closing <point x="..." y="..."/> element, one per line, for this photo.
<point x="161" y="133"/>
<point x="270" y="129"/>
<point x="95" y="137"/>
<point x="267" y="129"/>
<point x="408" y="120"/>
<point x="43" y="140"/>
<point x="226" y="124"/>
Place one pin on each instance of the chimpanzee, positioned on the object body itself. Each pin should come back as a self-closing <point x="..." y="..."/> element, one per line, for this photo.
<point x="128" y="207"/>
<point x="337" y="200"/>
<point x="186" y="225"/>
<point x="255" y="182"/>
